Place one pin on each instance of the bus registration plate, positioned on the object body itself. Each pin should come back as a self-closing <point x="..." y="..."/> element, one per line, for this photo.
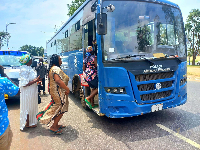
<point x="156" y="107"/>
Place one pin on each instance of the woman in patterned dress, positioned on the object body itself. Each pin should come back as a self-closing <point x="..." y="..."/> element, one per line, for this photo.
<point x="90" y="75"/>
<point x="59" y="91"/>
<point x="28" y="93"/>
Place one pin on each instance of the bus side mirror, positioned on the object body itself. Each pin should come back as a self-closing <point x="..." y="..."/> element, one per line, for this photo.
<point x="102" y="24"/>
<point x="34" y="64"/>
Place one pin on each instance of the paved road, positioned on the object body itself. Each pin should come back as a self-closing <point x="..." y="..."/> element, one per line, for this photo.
<point x="86" y="130"/>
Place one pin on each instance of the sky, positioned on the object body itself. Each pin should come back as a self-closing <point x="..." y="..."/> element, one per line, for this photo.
<point x="37" y="20"/>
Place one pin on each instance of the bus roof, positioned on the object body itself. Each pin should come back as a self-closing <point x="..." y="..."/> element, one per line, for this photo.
<point x="165" y="2"/>
<point x="13" y="52"/>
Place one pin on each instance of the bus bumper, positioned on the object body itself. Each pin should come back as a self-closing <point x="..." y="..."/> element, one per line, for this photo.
<point x="130" y="109"/>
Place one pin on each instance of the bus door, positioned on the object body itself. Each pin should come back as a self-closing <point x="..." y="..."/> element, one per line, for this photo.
<point x="89" y="39"/>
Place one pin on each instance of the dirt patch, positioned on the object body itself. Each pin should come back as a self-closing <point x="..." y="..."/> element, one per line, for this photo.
<point x="193" y="73"/>
<point x="193" y="78"/>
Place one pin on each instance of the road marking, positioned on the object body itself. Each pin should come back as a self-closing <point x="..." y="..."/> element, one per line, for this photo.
<point x="179" y="136"/>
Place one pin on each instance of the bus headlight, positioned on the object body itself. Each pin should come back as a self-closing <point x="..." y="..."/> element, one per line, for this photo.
<point x="115" y="90"/>
<point x="183" y="81"/>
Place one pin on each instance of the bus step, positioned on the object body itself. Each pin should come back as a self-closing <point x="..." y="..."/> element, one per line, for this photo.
<point x="96" y="110"/>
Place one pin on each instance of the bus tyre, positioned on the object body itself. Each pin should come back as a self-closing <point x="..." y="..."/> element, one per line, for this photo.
<point x="83" y="94"/>
<point x="76" y="93"/>
<point x="76" y="88"/>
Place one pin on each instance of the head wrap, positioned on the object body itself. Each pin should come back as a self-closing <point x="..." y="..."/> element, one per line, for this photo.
<point x="25" y="59"/>
<point x="89" y="49"/>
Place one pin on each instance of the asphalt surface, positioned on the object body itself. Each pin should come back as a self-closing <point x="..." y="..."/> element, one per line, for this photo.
<point x="172" y="129"/>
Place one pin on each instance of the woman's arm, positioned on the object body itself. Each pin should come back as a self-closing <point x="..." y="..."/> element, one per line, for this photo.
<point x="95" y="61"/>
<point x="83" y="67"/>
<point x="61" y="83"/>
<point x="33" y="81"/>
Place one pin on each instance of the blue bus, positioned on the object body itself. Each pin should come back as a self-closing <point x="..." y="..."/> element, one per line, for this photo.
<point x="141" y="54"/>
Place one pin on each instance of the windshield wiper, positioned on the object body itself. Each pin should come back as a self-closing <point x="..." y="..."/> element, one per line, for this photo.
<point x="7" y="66"/>
<point x="151" y="62"/>
<point x="128" y="56"/>
<point x="177" y="58"/>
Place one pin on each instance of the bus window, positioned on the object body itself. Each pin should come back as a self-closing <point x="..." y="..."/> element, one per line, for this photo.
<point x="90" y="35"/>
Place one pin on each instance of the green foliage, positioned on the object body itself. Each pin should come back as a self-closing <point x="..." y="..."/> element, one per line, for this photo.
<point x="3" y="38"/>
<point x="33" y="50"/>
<point x="144" y="37"/>
<point x="74" y="6"/>
<point x="193" y="21"/>
<point x="192" y="28"/>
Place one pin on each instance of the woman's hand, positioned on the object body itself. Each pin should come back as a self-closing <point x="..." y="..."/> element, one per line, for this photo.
<point x="61" y="83"/>
<point x="67" y="91"/>
<point x="39" y="82"/>
<point x="34" y="81"/>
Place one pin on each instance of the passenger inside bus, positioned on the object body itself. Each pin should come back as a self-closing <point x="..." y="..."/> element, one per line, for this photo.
<point x="90" y="75"/>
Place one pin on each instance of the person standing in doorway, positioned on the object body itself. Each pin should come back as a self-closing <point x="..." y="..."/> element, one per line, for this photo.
<point x="90" y="75"/>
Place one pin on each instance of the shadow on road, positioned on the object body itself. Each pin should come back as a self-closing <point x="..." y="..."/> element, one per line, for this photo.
<point x="13" y="104"/>
<point x="69" y="133"/>
<point x="143" y="127"/>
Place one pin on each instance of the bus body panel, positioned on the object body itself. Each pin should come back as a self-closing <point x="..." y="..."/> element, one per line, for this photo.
<point x="75" y="65"/>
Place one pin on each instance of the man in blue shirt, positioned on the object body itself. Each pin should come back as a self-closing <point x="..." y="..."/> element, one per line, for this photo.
<point x="6" y="87"/>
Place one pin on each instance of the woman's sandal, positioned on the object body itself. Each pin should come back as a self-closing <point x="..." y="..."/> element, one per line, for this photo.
<point x="88" y="103"/>
<point x="56" y="132"/>
<point x="61" y="127"/>
<point x="95" y="106"/>
<point x="33" y="126"/>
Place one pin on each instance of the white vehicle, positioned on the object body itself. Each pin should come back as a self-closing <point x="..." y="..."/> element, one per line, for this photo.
<point x="64" y="62"/>
<point x="45" y="56"/>
<point x="9" y="59"/>
<point x="45" y="59"/>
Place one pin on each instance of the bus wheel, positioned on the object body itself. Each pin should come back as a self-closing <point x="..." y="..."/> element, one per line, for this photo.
<point x="76" y="88"/>
<point x="84" y="92"/>
<point x="75" y="92"/>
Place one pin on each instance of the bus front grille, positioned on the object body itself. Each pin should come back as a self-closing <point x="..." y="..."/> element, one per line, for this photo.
<point x="150" y="85"/>
<point x="154" y="96"/>
<point x="154" y="76"/>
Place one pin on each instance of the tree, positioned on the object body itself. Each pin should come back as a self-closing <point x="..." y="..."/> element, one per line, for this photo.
<point x="74" y="6"/>
<point x="33" y="50"/>
<point x="4" y="36"/>
<point x="192" y="30"/>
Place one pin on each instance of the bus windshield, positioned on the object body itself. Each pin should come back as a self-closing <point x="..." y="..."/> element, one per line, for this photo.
<point x="9" y="61"/>
<point x="143" y="29"/>
<point x="10" y="58"/>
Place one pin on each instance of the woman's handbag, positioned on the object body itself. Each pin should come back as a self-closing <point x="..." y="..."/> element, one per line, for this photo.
<point x="83" y="82"/>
